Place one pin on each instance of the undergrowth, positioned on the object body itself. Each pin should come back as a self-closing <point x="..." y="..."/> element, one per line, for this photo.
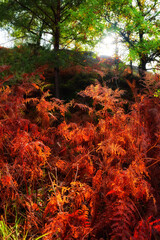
<point x="79" y="170"/>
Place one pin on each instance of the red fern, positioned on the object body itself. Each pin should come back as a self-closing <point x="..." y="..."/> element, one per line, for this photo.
<point x="93" y="176"/>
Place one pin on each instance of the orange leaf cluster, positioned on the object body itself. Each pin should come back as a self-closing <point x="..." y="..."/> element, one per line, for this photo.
<point x="70" y="178"/>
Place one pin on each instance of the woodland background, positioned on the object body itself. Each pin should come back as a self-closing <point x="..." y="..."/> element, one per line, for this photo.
<point x="79" y="134"/>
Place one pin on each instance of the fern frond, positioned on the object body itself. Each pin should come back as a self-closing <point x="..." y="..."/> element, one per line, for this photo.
<point x="122" y="219"/>
<point x="143" y="231"/>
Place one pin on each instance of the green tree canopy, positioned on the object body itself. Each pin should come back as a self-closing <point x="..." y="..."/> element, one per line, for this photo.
<point x="138" y="23"/>
<point x="64" y="20"/>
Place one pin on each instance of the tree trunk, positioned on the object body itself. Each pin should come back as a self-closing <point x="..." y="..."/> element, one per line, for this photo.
<point x="131" y="67"/>
<point x="56" y="68"/>
<point x="142" y="57"/>
<point x="56" y="49"/>
<point x="142" y="66"/>
<point x="39" y="37"/>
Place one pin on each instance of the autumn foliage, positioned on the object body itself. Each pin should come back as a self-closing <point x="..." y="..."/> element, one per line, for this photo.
<point x="87" y="169"/>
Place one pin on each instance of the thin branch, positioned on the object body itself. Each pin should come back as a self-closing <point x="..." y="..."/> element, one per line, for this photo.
<point x="64" y="19"/>
<point x="33" y="12"/>
<point x="153" y="17"/>
<point x="76" y="173"/>
<point x="151" y="8"/>
<point x="44" y="12"/>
